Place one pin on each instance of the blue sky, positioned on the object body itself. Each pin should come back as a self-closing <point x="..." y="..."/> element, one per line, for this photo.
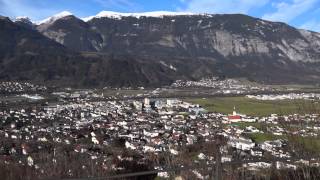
<point x="299" y="13"/>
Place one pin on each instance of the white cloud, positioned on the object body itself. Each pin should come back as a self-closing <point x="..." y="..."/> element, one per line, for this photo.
<point x="286" y="12"/>
<point x="14" y="8"/>
<point x="223" y="6"/>
<point x="38" y="9"/>
<point x="119" y="4"/>
<point x="313" y="25"/>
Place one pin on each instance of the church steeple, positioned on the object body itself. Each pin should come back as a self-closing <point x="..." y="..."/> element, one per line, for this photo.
<point x="234" y="111"/>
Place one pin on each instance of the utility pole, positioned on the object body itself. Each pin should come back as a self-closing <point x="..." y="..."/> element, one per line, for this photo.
<point x="218" y="164"/>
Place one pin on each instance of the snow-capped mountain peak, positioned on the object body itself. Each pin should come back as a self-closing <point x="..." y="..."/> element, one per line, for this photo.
<point x="22" y="18"/>
<point x="118" y="15"/>
<point x="24" y="21"/>
<point x="54" y="17"/>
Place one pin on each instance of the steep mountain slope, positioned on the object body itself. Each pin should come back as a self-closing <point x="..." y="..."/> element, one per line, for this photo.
<point x="25" y="22"/>
<point x="213" y="36"/>
<point x="152" y="49"/>
<point x="73" y="33"/>
<point x="199" y="45"/>
<point x="19" y="40"/>
<point x="27" y="55"/>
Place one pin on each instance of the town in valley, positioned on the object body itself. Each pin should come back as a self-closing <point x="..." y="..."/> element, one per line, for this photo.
<point x="160" y="90"/>
<point x="99" y="134"/>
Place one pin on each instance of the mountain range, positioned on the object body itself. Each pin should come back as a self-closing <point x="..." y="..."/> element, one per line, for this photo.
<point x="154" y="49"/>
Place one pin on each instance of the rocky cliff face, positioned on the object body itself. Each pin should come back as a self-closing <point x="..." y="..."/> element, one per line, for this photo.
<point x="73" y="33"/>
<point x="27" y="55"/>
<point x="212" y="36"/>
<point x="153" y="51"/>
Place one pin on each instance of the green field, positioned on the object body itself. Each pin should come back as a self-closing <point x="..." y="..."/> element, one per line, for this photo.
<point x="309" y="144"/>
<point x="256" y="107"/>
<point x="262" y="137"/>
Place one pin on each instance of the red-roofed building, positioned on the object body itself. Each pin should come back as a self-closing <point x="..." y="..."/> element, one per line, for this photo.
<point x="234" y="117"/>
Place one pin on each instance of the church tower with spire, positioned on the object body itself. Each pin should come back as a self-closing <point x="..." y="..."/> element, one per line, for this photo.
<point x="234" y="117"/>
<point x="234" y="111"/>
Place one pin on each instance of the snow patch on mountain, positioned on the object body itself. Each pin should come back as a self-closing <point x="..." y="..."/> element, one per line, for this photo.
<point x="118" y="15"/>
<point x="22" y="18"/>
<point x="168" y="66"/>
<point x="54" y="17"/>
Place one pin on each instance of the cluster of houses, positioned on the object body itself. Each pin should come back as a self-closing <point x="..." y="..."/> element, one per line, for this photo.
<point x="216" y="83"/>
<point x="289" y="96"/>
<point x="144" y="126"/>
<point x="17" y="87"/>
<point x="77" y="95"/>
